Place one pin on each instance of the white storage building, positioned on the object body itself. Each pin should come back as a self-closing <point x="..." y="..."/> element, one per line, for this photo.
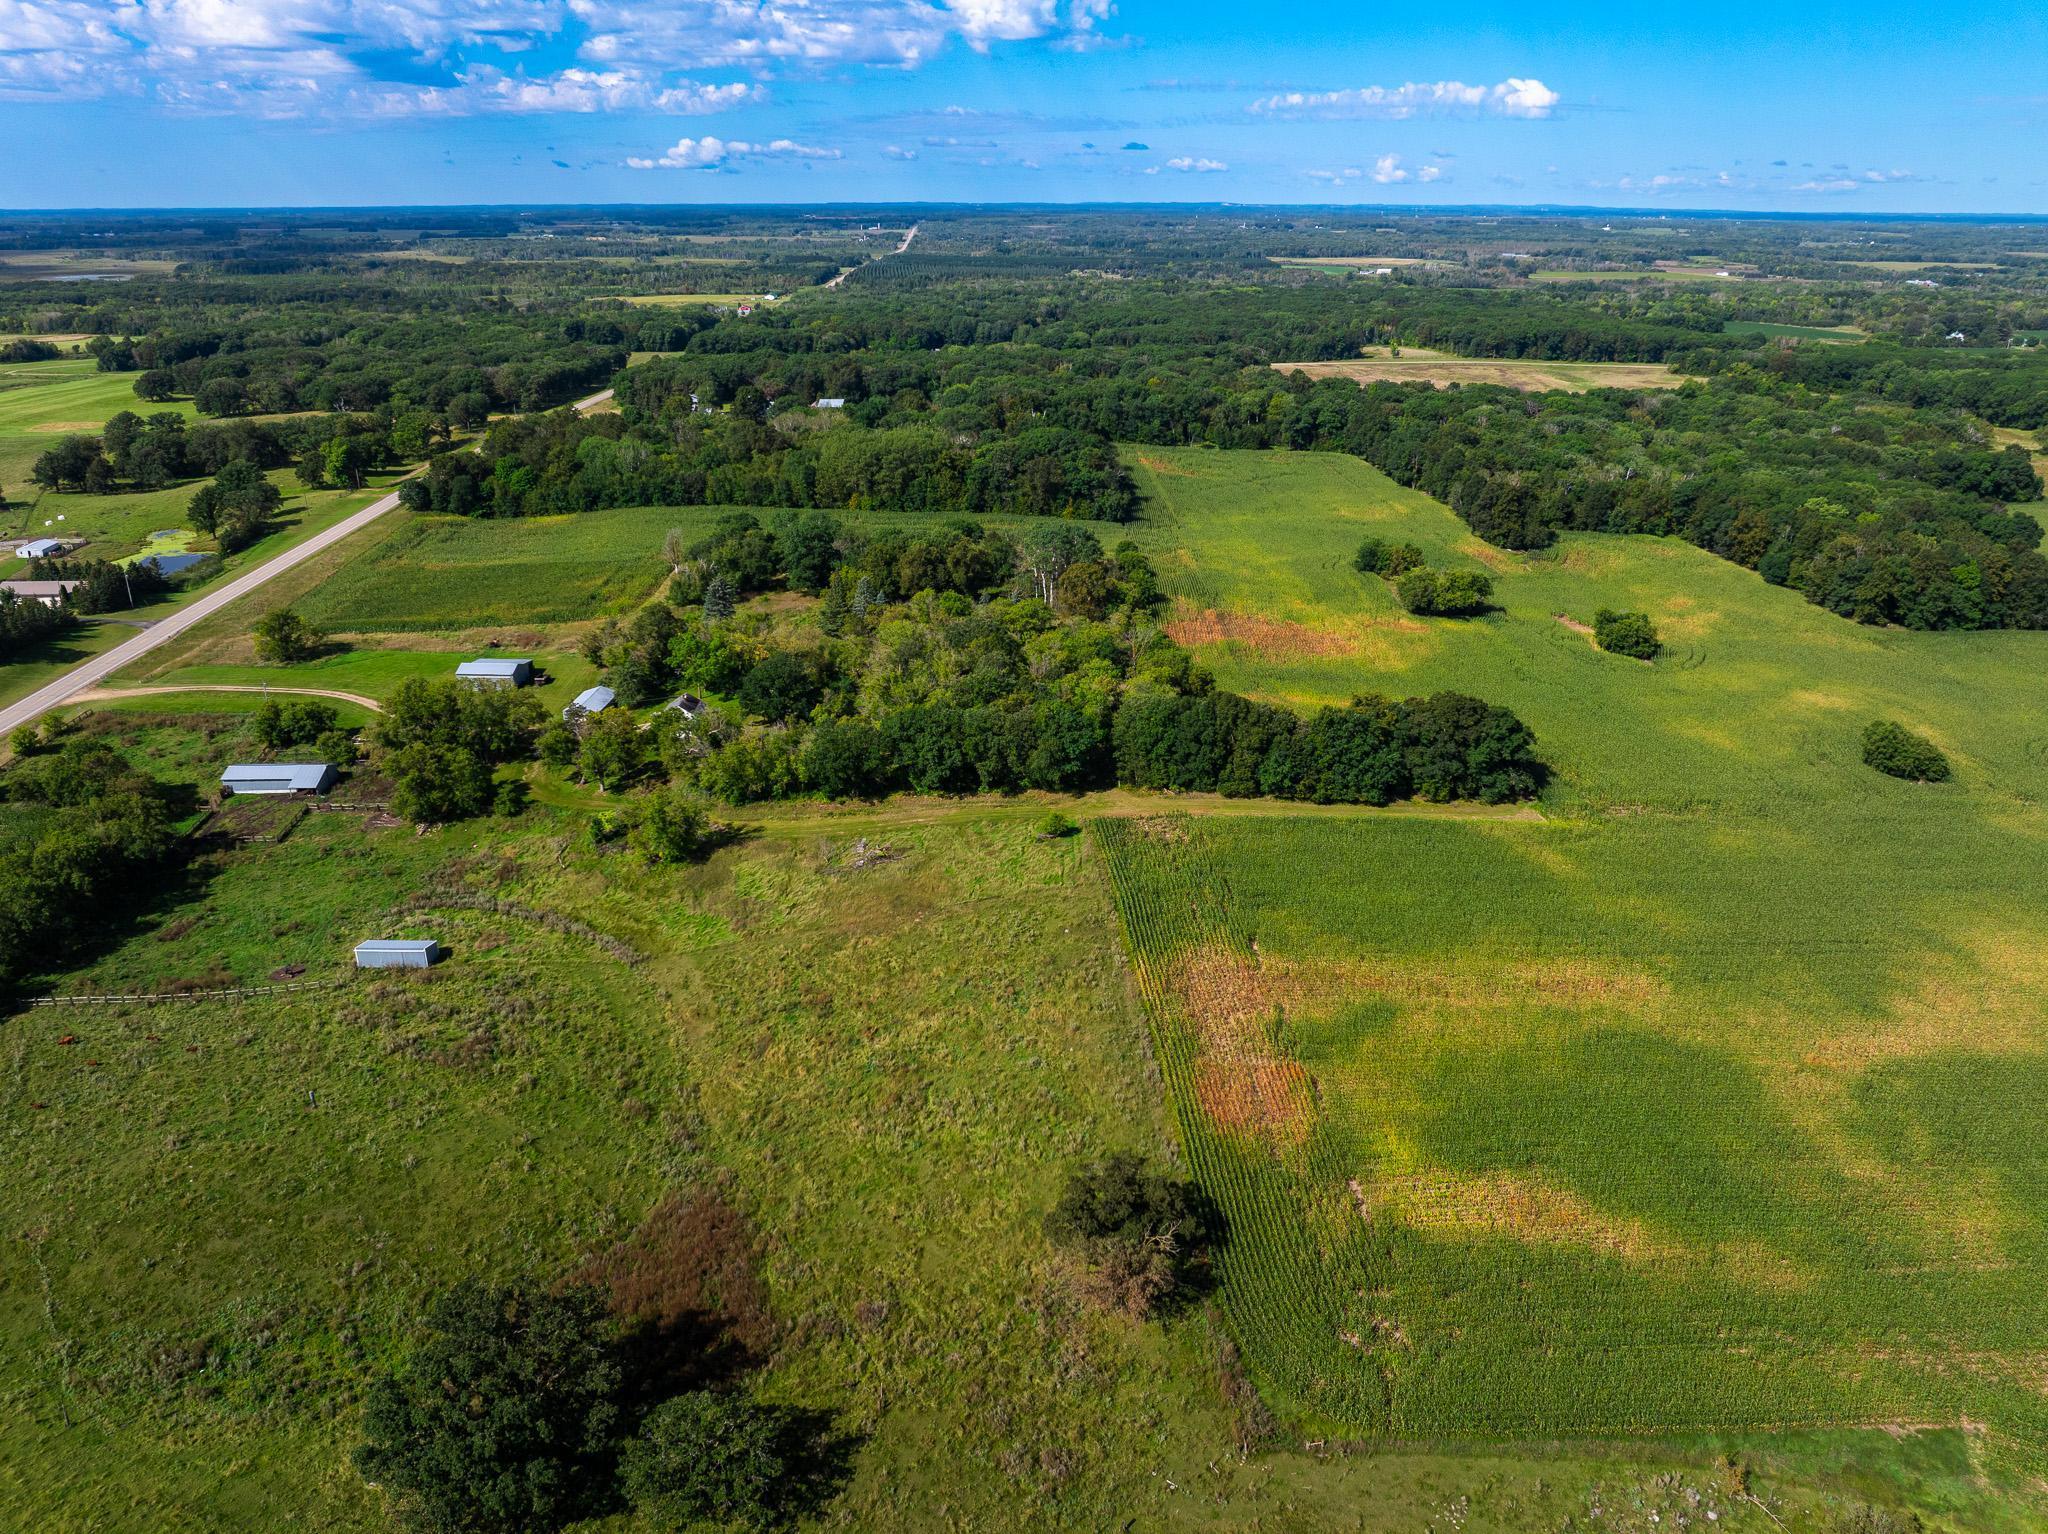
<point x="397" y="953"/>
<point x="495" y="671"/>
<point x="278" y="778"/>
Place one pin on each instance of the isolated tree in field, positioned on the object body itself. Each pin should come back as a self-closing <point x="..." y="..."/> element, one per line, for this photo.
<point x="1630" y="634"/>
<point x="674" y="549"/>
<point x="1142" y="1234"/>
<point x="1445" y="593"/>
<point x="503" y="1419"/>
<point x="283" y="638"/>
<point x="1376" y="556"/>
<point x="236" y="507"/>
<point x="718" y="599"/>
<point x="705" y="1456"/>
<point x="1893" y="749"/>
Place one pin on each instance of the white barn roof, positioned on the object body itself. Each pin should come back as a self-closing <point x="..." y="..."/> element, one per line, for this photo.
<point x="494" y="666"/>
<point x="278" y="777"/>
<point x="41" y="548"/>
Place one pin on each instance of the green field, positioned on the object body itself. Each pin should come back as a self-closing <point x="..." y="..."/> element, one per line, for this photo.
<point x="452" y="573"/>
<point x="1560" y="1155"/>
<point x="1834" y="333"/>
<point x="883" y="1071"/>
<point x="1706" y="1102"/>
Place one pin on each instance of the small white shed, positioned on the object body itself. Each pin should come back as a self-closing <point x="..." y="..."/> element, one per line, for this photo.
<point x="278" y="778"/>
<point x="397" y="953"/>
<point x="592" y="700"/>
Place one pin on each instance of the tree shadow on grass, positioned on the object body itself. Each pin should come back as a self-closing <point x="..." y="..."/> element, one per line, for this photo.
<point x="819" y="1460"/>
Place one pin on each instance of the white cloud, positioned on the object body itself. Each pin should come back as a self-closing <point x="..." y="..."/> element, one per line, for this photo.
<point x="1429" y="173"/>
<point x="279" y="57"/>
<point x="1387" y="170"/>
<point x="486" y="89"/>
<point x="1335" y="177"/>
<point x="898" y="152"/>
<point x="709" y="153"/>
<point x="1512" y="97"/>
<point x="1195" y="165"/>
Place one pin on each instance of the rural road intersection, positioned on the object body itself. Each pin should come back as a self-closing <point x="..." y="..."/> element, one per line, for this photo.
<point x="89" y="673"/>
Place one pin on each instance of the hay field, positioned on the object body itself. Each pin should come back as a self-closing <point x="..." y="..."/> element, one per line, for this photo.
<point x="1419" y="365"/>
<point x="1703" y="1104"/>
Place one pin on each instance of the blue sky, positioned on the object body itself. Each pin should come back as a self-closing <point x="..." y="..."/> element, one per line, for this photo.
<point x="1875" y="106"/>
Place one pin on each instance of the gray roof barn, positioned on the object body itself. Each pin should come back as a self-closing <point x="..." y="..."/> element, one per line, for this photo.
<point x="592" y="700"/>
<point x="496" y="672"/>
<point x="397" y="953"/>
<point x="278" y="778"/>
<point x="42" y="548"/>
<point x="49" y="593"/>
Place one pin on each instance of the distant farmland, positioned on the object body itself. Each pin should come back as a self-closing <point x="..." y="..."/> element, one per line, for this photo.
<point x="1419" y="365"/>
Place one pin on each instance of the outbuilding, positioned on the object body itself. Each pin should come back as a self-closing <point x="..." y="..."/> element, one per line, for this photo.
<point x="49" y="593"/>
<point x="493" y="671"/>
<point x="830" y="402"/>
<point x="592" y="700"/>
<point x="42" y="548"/>
<point x="278" y="778"/>
<point x="397" y="953"/>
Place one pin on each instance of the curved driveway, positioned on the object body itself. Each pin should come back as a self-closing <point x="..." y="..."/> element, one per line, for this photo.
<point x="88" y="673"/>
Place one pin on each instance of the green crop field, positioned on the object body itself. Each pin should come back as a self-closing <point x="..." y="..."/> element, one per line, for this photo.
<point x="450" y="573"/>
<point x="1706" y="1102"/>
<point x="1834" y="333"/>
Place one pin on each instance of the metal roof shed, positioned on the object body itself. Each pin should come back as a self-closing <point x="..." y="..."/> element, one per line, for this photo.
<point x="278" y="778"/>
<point x="397" y="953"/>
<point x="592" y="700"/>
<point x="495" y="671"/>
<point x="41" y="548"/>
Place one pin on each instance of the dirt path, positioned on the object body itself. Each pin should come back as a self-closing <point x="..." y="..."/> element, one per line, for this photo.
<point x="109" y="694"/>
<point x="908" y="235"/>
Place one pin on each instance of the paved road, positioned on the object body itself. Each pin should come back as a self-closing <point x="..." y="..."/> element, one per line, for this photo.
<point x="88" y="673"/>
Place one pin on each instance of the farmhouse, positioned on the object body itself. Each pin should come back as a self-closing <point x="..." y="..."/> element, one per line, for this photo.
<point x="277" y="778"/>
<point x="492" y="671"/>
<point x="592" y="700"/>
<point x="397" y="953"/>
<point x="689" y="705"/>
<point x="49" y="593"/>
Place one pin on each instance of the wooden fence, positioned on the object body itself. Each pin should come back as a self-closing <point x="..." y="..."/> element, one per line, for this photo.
<point x="156" y="996"/>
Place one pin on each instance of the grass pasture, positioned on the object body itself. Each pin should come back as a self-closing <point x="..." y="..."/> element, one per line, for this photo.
<point x="1418" y="365"/>
<point x="1838" y="334"/>
<point x="1699" y="1105"/>
<point x="882" y="1071"/>
<point x="2031" y="441"/>
<point x="441" y="573"/>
